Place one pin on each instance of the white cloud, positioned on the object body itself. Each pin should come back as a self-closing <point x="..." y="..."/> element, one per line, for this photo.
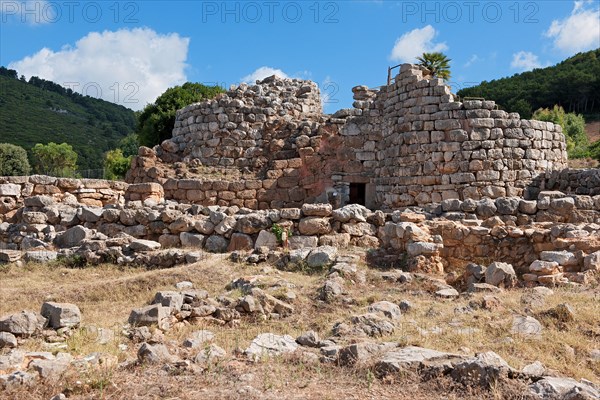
<point x="128" y="67"/>
<point x="472" y="60"/>
<point x="416" y="42"/>
<point x="580" y="31"/>
<point x="525" y="61"/>
<point x="262" y="73"/>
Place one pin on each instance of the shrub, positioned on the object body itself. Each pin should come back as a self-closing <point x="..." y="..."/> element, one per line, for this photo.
<point x="13" y="160"/>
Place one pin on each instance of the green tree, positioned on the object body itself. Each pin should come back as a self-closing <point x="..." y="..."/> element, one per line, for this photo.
<point x="437" y="63"/>
<point x="129" y="145"/>
<point x="573" y="126"/>
<point x="54" y="159"/>
<point x="522" y="107"/>
<point x="116" y="164"/>
<point x="595" y="150"/>
<point x="13" y="160"/>
<point x="156" y="121"/>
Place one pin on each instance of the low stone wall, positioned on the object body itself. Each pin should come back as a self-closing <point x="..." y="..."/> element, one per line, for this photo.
<point x="576" y="181"/>
<point x="91" y="192"/>
<point x="441" y="238"/>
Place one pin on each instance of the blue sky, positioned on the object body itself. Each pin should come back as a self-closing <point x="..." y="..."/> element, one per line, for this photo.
<point x="131" y="51"/>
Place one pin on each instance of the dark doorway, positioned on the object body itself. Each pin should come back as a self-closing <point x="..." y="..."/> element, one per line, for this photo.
<point x="357" y="193"/>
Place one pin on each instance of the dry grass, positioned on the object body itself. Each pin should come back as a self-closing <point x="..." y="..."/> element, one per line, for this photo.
<point x="106" y="295"/>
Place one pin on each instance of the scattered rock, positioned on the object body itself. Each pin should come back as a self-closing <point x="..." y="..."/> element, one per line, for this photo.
<point x="527" y="326"/>
<point x="269" y="344"/>
<point x="501" y="274"/>
<point x="61" y="315"/>
<point x="7" y="340"/>
<point x="385" y="308"/>
<point x="210" y="354"/>
<point x="153" y="354"/>
<point x="308" y="339"/>
<point x="23" y="324"/>
<point x="148" y="315"/>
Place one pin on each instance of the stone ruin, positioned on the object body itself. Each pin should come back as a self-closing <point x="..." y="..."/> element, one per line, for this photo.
<point x="430" y="183"/>
<point x="407" y="143"/>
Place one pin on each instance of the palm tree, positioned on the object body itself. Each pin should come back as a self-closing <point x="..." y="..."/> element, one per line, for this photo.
<point x="437" y="63"/>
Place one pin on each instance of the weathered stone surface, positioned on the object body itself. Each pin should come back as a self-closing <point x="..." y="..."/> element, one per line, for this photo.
<point x="216" y="244"/>
<point x="73" y="236"/>
<point x="422" y="248"/>
<point x="373" y="325"/>
<point x="316" y="210"/>
<point x="314" y="226"/>
<point x="483" y="370"/>
<point x="266" y="239"/>
<point x="170" y="299"/>
<point x="240" y="241"/>
<point x="198" y="338"/>
<point x="25" y="323"/>
<point x="321" y="256"/>
<point x="350" y="212"/>
<point x="563" y="388"/>
<point x="410" y="357"/>
<point x="153" y="354"/>
<point x="591" y="262"/>
<point x="308" y="339"/>
<point x="148" y="315"/>
<point x="564" y="258"/>
<point x="385" y="308"/>
<point x="144" y="245"/>
<point x="61" y="315"/>
<point x="269" y="344"/>
<point x="526" y="326"/>
<point x="500" y="274"/>
<point x="7" y="340"/>
<point x="210" y="354"/>
<point x="188" y="239"/>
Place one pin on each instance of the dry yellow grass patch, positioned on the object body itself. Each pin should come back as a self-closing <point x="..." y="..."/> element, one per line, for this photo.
<point x="106" y="295"/>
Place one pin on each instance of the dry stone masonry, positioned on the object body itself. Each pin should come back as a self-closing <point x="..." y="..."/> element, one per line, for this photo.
<point x="453" y="183"/>
<point x="408" y="143"/>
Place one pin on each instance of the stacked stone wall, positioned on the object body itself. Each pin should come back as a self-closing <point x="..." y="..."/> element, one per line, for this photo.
<point x="412" y="142"/>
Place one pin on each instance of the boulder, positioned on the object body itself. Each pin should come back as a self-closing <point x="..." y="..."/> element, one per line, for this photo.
<point x="385" y="308"/>
<point x="373" y="325"/>
<point x="169" y="299"/>
<point x="314" y="226"/>
<point x="483" y="370"/>
<point x="188" y="239"/>
<point x="7" y="340"/>
<point x="266" y="239"/>
<point x="148" y="315"/>
<point x="410" y="357"/>
<point x="240" y="241"/>
<point x="23" y="324"/>
<point x="308" y="339"/>
<point x="526" y="326"/>
<point x="316" y="210"/>
<point x="216" y="244"/>
<point x="144" y="245"/>
<point x="198" y="338"/>
<point x="153" y="354"/>
<point x="350" y="212"/>
<point x="73" y="236"/>
<point x="321" y="256"/>
<point x="564" y="258"/>
<point x="551" y="387"/>
<point x="501" y="274"/>
<point x="210" y="354"/>
<point x="61" y="315"/>
<point x="269" y="344"/>
<point x="591" y="262"/>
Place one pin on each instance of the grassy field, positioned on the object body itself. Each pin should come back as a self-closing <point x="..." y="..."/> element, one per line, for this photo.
<point x="107" y="294"/>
